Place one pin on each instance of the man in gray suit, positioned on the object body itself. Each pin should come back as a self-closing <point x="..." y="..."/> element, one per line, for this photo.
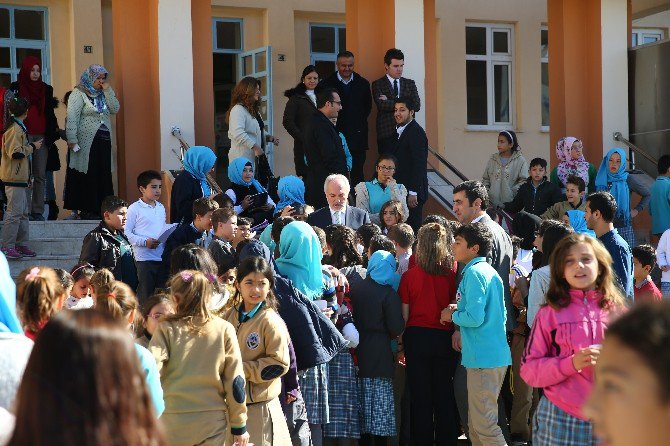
<point x="470" y="202"/>
<point x="336" y="188"/>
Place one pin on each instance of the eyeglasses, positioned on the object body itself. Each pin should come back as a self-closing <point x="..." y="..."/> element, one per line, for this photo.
<point x="392" y="212"/>
<point x="156" y="316"/>
<point x="386" y="168"/>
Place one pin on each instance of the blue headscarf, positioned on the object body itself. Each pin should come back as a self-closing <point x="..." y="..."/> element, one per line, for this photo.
<point x="266" y="238"/>
<point x="198" y="161"/>
<point x="235" y="169"/>
<point x="86" y="85"/>
<point x="9" y="322"/>
<point x="578" y="223"/>
<point x="291" y="190"/>
<point x="619" y="190"/>
<point x="382" y="269"/>
<point x="300" y="258"/>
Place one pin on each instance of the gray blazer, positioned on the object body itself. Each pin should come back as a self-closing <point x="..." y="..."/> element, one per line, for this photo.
<point x="354" y="218"/>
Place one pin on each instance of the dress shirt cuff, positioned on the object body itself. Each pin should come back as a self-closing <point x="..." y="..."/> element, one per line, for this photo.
<point x="411" y="192"/>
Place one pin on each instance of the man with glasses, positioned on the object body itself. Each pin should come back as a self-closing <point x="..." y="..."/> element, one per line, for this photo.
<point x="411" y="150"/>
<point x="323" y="146"/>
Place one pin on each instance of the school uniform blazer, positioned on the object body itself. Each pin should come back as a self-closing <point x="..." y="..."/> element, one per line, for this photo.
<point x="385" y="120"/>
<point x="353" y="217"/>
<point x="412" y="154"/>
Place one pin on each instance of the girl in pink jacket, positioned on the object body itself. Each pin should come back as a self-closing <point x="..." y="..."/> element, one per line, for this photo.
<point x="564" y="343"/>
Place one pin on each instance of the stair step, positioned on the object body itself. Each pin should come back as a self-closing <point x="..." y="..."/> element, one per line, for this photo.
<point x="61" y="246"/>
<point x="53" y="261"/>
<point x="60" y="228"/>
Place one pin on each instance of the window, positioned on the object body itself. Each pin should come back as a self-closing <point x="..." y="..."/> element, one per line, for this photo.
<point x="488" y="68"/>
<point x="646" y="35"/>
<point x="23" y="32"/>
<point x="544" y="63"/>
<point x="325" y="42"/>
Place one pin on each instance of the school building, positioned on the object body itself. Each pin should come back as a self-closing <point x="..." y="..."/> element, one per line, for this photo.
<point x="543" y="68"/>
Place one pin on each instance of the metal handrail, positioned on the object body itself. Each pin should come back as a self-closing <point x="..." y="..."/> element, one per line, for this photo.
<point x="619" y="137"/>
<point x="450" y="166"/>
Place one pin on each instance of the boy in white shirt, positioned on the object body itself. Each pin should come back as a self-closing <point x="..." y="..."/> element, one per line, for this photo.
<point x="663" y="260"/>
<point x="144" y="225"/>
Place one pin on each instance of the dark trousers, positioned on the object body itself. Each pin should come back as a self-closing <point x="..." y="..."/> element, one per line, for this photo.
<point x="357" y="163"/>
<point x="387" y="144"/>
<point x="431" y="362"/>
<point x="415" y="217"/>
<point x="299" y="161"/>
<point x="149" y="276"/>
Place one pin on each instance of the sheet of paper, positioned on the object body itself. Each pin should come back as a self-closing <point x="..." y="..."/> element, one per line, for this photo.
<point x="169" y="229"/>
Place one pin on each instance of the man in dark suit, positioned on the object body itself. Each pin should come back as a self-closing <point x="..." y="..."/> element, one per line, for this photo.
<point x="338" y="212"/>
<point x="385" y="90"/>
<point x="323" y="146"/>
<point x="352" y="120"/>
<point x="411" y="150"/>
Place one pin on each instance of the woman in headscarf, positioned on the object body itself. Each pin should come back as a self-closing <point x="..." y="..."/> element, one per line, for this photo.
<point x="571" y="161"/>
<point x="89" y="141"/>
<point x="575" y="219"/>
<point x="378" y="314"/>
<point x="612" y="177"/>
<point x="191" y="184"/>
<point x="243" y="188"/>
<point x="41" y="124"/>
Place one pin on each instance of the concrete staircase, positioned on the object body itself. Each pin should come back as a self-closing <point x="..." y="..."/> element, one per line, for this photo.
<point x="57" y="244"/>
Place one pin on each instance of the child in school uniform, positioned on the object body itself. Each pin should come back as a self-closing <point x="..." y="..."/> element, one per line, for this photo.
<point x="536" y="194"/>
<point x="145" y="223"/>
<point x="263" y="340"/>
<point x="201" y="369"/>
<point x="480" y="313"/>
<point x="224" y="225"/>
<point x="644" y="259"/>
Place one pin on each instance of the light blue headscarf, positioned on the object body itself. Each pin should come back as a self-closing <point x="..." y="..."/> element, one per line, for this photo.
<point x="235" y="169"/>
<point x="198" y="161"/>
<point x="300" y="258"/>
<point x="9" y="321"/>
<point x="382" y="269"/>
<point x="291" y="189"/>
<point x="619" y="190"/>
<point x="86" y="85"/>
<point x="266" y="238"/>
<point x="578" y="223"/>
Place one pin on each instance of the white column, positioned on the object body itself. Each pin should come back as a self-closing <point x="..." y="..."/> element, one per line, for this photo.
<point x="614" y="38"/>
<point x="175" y="76"/>
<point x="409" y="38"/>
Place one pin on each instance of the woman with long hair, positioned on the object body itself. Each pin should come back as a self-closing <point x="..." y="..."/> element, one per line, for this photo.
<point x="84" y="371"/>
<point x="299" y="109"/>
<point x="245" y="125"/>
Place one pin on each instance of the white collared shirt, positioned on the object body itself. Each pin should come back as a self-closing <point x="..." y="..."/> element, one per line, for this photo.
<point x="144" y="221"/>
<point x="393" y="80"/>
<point x="310" y="94"/>
<point x="341" y="79"/>
<point x="342" y="213"/>
<point x="402" y="127"/>
<point x="478" y="218"/>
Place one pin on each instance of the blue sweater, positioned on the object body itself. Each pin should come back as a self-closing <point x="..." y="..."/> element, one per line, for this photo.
<point x="481" y="316"/>
<point x="659" y="206"/>
<point x="148" y="363"/>
<point x="622" y="260"/>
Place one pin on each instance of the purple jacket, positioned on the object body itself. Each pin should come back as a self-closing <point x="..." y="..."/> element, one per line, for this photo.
<point x="555" y="337"/>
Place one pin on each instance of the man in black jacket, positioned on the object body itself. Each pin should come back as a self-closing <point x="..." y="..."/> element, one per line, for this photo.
<point x="323" y="147"/>
<point x="411" y="150"/>
<point x="352" y="121"/>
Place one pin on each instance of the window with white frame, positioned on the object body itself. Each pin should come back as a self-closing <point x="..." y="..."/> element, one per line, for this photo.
<point x="544" y="64"/>
<point x="647" y="35"/>
<point x="23" y="32"/>
<point x="488" y="67"/>
<point x="326" y="40"/>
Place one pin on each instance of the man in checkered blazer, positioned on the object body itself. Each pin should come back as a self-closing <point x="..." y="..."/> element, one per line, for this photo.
<point x="384" y="92"/>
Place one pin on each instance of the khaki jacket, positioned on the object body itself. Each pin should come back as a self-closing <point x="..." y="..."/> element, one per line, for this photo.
<point x="503" y="182"/>
<point x="14" y="164"/>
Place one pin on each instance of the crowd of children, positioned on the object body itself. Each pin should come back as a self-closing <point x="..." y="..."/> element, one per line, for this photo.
<point x="376" y="335"/>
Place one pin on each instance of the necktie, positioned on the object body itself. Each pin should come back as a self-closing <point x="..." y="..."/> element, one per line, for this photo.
<point x="395" y="88"/>
<point x="338" y="218"/>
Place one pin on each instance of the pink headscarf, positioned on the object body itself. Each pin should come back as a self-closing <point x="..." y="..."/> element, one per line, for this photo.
<point x="567" y="166"/>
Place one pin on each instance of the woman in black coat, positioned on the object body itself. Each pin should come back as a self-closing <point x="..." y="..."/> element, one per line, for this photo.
<point x="299" y="109"/>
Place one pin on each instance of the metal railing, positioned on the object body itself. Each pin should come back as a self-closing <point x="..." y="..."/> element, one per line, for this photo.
<point x="633" y="149"/>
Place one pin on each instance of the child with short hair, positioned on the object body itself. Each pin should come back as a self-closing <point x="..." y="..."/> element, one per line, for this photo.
<point x="193" y="232"/>
<point x="644" y="260"/>
<point x="380" y="242"/>
<point x="224" y="225"/>
<point x="40" y="295"/>
<point x="145" y="223"/>
<point x="402" y="236"/>
<point x="107" y="246"/>
<point x="363" y="236"/>
<point x="575" y="189"/>
<point x="659" y="205"/>
<point x="480" y="314"/>
<point x="201" y="369"/>
<point x="80" y="292"/>
<point x="566" y="338"/>
<point x="263" y="340"/>
<point x="663" y="258"/>
<point x="15" y="173"/>
<point x="536" y="194"/>
<point x="244" y="231"/>
<point x="321" y="235"/>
